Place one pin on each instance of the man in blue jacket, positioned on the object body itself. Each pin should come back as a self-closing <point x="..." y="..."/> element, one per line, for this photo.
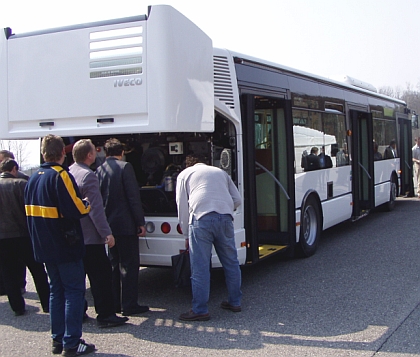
<point x="54" y="208"/>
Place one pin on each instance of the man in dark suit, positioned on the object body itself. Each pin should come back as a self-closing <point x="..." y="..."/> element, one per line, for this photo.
<point x="312" y="160"/>
<point x="391" y="150"/>
<point x="123" y="208"/>
<point x="324" y="160"/>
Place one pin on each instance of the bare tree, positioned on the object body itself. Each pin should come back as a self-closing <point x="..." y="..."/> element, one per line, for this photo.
<point x="18" y="148"/>
<point x="409" y="95"/>
<point x="389" y="91"/>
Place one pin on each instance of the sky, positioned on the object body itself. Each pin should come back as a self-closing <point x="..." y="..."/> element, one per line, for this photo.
<point x="375" y="41"/>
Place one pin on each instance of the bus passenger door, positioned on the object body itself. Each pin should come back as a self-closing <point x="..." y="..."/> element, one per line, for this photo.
<point x="268" y="164"/>
<point x="406" y="157"/>
<point x="362" y="163"/>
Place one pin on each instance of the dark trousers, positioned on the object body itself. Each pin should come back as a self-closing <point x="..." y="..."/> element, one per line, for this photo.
<point x="23" y="279"/>
<point x="13" y="253"/>
<point x="125" y="261"/>
<point x="99" y="271"/>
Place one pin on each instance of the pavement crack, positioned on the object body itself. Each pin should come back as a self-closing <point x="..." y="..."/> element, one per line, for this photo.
<point x="396" y="329"/>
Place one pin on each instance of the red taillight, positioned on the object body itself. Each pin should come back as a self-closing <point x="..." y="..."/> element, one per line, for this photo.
<point x="178" y="229"/>
<point x="165" y="227"/>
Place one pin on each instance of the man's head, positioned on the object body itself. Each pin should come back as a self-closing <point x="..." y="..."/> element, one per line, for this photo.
<point x="4" y="154"/>
<point x="9" y="165"/>
<point x="84" y="151"/>
<point x="113" y="147"/>
<point x="52" y="148"/>
<point x="193" y="159"/>
<point x="393" y="144"/>
<point x="314" y="150"/>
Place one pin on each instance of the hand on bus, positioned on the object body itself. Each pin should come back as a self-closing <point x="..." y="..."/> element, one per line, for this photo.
<point x="141" y="231"/>
<point x="110" y="240"/>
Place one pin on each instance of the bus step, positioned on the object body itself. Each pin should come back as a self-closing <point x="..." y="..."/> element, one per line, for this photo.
<point x="265" y="250"/>
<point x="363" y="214"/>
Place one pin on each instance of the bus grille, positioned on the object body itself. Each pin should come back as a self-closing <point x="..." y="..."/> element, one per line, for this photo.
<point x="222" y="81"/>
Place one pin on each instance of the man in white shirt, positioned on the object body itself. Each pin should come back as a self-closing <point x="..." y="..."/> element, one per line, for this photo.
<point x="416" y="165"/>
<point x="206" y="198"/>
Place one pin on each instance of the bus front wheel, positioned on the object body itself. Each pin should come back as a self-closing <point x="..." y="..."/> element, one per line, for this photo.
<point x="310" y="228"/>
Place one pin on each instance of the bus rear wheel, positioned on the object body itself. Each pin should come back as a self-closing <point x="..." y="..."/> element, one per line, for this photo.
<point x="310" y="228"/>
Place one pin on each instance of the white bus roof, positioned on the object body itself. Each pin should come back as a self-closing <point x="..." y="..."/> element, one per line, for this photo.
<point x="348" y="82"/>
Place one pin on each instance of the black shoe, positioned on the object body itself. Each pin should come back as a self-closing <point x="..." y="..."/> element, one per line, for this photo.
<point x="57" y="347"/>
<point x="82" y="348"/>
<point x="111" y="321"/>
<point x="20" y="312"/>
<point x="137" y="310"/>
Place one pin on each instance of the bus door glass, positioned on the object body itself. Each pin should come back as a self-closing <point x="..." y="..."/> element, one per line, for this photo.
<point x="406" y="159"/>
<point x="362" y="163"/>
<point x="271" y="170"/>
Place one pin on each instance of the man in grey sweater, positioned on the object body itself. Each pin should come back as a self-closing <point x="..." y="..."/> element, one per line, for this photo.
<point x="206" y="198"/>
<point x="96" y="233"/>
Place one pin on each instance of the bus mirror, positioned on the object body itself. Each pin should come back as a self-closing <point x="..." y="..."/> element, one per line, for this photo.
<point x="8" y="32"/>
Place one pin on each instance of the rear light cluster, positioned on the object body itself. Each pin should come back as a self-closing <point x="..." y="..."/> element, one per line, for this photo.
<point x="165" y="227"/>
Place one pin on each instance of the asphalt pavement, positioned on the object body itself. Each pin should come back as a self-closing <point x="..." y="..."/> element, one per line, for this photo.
<point x="359" y="295"/>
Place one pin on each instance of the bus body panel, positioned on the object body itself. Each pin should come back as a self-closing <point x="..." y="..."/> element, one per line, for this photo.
<point x="383" y="172"/>
<point x="141" y="76"/>
<point x="157" y="248"/>
<point x="318" y="181"/>
<point x="3" y="85"/>
<point x="337" y="210"/>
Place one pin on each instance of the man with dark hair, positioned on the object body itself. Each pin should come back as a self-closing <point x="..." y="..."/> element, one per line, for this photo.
<point x="312" y="160"/>
<point x="96" y="233"/>
<point x="391" y="150"/>
<point x="206" y="198"/>
<point x="325" y="161"/>
<point x="124" y="211"/>
<point x="54" y="208"/>
<point x="15" y="244"/>
<point x="5" y="154"/>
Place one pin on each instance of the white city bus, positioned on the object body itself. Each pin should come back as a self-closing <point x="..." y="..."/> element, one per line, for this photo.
<point x="156" y="83"/>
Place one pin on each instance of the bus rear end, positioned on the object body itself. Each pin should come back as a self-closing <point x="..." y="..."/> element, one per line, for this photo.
<point x="146" y="80"/>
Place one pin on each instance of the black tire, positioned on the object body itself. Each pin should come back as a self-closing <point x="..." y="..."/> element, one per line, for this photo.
<point x="310" y="228"/>
<point x="390" y="205"/>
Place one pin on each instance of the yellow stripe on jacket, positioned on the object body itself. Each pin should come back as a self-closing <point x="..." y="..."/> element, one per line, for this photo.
<point x="41" y="211"/>
<point x="70" y="189"/>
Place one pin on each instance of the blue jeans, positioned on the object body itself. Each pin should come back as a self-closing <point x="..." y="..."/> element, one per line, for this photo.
<point x="213" y="229"/>
<point x="67" y="299"/>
